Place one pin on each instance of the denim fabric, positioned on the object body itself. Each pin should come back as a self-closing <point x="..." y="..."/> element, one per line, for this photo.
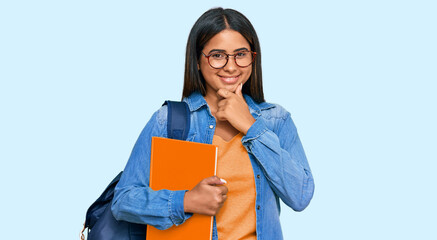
<point x="280" y="168"/>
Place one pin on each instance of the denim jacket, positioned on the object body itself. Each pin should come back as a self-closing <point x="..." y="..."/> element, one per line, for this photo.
<point x="280" y="168"/>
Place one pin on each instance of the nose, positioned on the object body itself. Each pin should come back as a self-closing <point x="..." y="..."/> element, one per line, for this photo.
<point x="230" y="66"/>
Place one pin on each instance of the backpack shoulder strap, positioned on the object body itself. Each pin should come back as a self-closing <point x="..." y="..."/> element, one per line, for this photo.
<point x="178" y="120"/>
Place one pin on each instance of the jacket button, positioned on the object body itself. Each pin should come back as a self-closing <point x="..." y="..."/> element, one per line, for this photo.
<point x="259" y="207"/>
<point x="258" y="176"/>
<point x="211" y="126"/>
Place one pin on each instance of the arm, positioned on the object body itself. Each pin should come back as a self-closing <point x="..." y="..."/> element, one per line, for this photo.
<point x="134" y="200"/>
<point x="283" y="160"/>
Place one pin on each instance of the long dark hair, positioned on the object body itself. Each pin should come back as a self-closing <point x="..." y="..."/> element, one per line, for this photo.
<point x="207" y="26"/>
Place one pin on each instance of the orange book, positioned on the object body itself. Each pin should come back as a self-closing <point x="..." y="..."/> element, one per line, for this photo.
<point x="181" y="165"/>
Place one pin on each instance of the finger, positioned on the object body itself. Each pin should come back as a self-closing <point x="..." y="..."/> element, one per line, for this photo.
<point x="223" y="190"/>
<point x="224" y="93"/>
<point x="220" y="115"/>
<point x="222" y="200"/>
<point x="239" y="90"/>
<point x="222" y="103"/>
<point x="214" y="180"/>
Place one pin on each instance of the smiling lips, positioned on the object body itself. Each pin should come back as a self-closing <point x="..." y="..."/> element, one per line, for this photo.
<point x="229" y="79"/>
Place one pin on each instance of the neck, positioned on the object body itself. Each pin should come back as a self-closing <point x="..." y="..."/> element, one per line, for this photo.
<point x="212" y="100"/>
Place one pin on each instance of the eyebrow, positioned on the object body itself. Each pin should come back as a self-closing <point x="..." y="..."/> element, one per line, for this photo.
<point x="221" y="50"/>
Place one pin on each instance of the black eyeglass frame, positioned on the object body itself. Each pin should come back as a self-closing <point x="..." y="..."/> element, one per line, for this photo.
<point x="227" y="59"/>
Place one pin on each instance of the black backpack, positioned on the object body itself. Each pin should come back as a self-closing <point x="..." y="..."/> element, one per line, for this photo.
<point x="100" y="222"/>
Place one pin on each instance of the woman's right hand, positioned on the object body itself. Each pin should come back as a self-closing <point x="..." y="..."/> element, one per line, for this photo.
<point x="207" y="197"/>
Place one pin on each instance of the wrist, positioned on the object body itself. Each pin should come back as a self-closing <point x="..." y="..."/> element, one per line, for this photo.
<point x="249" y="124"/>
<point x="187" y="202"/>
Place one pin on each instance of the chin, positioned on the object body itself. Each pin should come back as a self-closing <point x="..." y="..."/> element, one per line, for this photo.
<point x="232" y="88"/>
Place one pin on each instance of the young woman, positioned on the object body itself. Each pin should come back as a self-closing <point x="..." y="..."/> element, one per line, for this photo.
<point x="260" y="154"/>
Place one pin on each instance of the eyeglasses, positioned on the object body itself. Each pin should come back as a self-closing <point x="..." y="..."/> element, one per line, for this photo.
<point x="219" y="60"/>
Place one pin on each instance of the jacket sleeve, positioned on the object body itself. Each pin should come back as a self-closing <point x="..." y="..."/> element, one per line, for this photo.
<point x="282" y="159"/>
<point x="134" y="201"/>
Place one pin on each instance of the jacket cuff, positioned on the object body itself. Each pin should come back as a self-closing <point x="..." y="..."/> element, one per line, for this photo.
<point x="176" y="207"/>
<point x="257" y="129"/>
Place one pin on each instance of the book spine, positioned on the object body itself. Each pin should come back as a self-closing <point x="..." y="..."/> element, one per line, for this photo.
<point x="151" y="163"/>
<point x="215" y="168"/>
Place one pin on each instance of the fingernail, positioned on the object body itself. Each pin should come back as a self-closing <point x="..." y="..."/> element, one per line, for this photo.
<point x="223" y="181"/>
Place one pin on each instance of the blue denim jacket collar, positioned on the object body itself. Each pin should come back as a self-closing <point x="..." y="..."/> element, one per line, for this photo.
<point x="195" y="101"/>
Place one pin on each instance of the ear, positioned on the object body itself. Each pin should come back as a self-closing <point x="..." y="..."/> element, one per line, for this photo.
<point x="198" y="67"/>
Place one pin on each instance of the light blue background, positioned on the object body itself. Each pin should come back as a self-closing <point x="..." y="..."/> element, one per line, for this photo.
<point x="80" y="79"/>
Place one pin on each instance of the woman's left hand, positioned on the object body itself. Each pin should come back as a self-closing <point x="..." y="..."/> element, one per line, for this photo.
<point x="233" y="108"/>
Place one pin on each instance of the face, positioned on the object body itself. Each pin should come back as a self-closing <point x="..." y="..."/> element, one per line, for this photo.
<point x="231" y="75"/>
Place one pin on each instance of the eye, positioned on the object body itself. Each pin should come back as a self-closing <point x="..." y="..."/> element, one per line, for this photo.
<point x="241" y="54"/>
<point x="218" y="55"/>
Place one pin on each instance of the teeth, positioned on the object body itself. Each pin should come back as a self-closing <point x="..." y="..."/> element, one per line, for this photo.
<point x="230" y="79"/>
